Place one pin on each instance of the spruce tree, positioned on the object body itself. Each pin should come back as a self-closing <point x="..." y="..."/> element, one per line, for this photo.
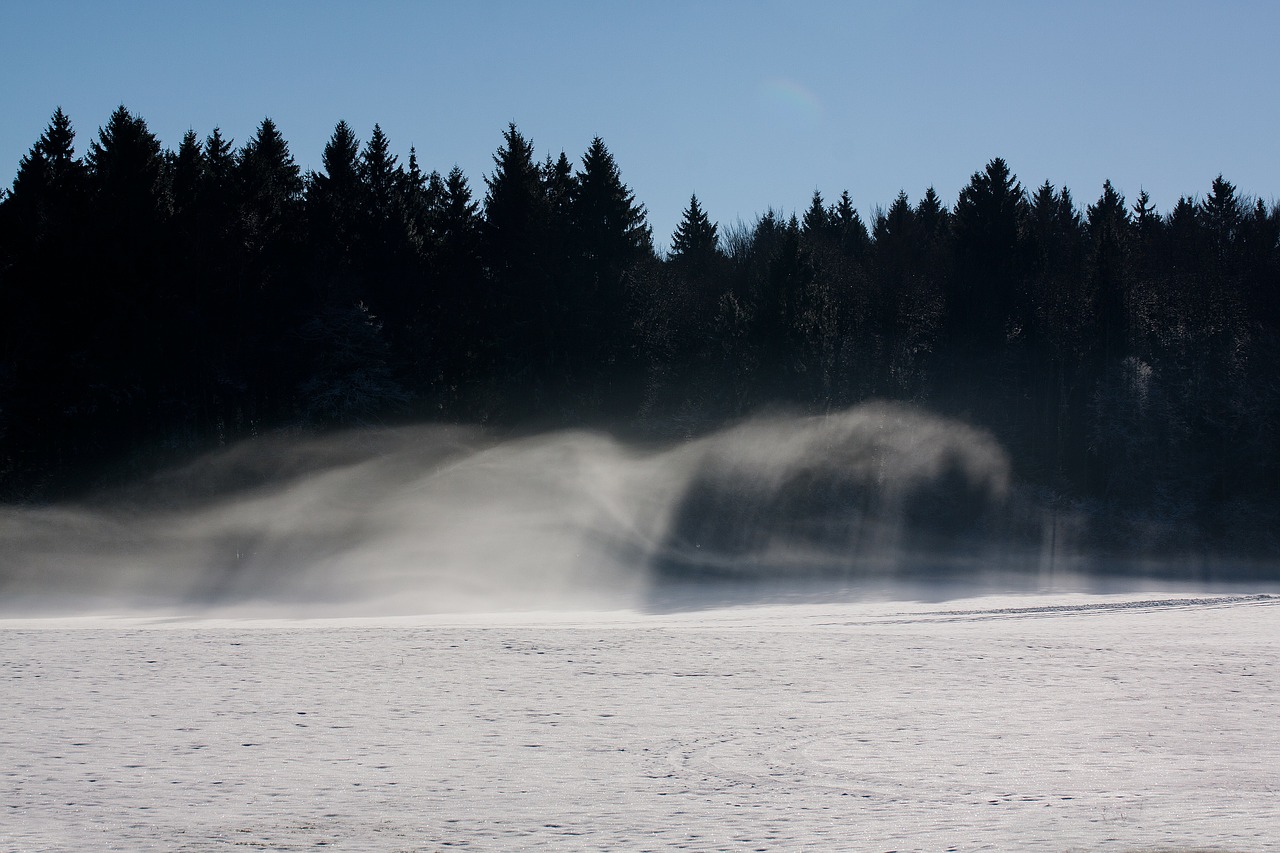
<point x="45" y="276"/>
<point x="279" y="300"/>
<point x="1222" y="213"/>
<point x="457" y="315"/>
<point x="611" y="236"/>
<point x="984" y="298"/>
<point x="515" y="214"/>
<point x="336" y="198"/>
<point x="609" y="225"/>
<point x="695" y="241"/>
<point x="852" y="231"/>
<point x="218" y="194"/>
<point x="49" y="186"/>
<point x="126" y="172"/>
<point x="382" y="177"/>
<point x="270" y="190"/>
<point x="459" y="219"/>
<point x="932" y="217"/>
<point x="816" y="225"/>
<point x="518" y="304"/>
<point x="896" y="227"/>
<point x="132" y="338"/>
<point x="559" y="186"/>
<point x="186" y="174"/>
<point x="1144" y="213"/>
<point x="1109" y="229"/>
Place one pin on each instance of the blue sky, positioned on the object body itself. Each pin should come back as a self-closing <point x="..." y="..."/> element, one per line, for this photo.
<point x="750" y="104"/>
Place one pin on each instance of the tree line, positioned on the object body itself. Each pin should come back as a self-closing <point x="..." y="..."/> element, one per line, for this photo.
<point x="161" y="302"/>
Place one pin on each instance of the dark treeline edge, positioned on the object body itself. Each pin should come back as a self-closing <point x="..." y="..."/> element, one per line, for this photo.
<point x="159" y="303"/>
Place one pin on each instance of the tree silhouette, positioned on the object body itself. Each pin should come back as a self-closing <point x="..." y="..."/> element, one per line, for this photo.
<point x="612" y="236"/>
<point x="335" y="199"/>
<point x="817" y="224"/>
<point x="157" y="302"/>
<point x="1109" y="230"/>
<point x="854" y="238"/>
<point x="695" y="242"/>
<point x="984" y="308"/>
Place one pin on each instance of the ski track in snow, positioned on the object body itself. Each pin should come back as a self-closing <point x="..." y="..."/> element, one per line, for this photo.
<point x="1119" y="722"/>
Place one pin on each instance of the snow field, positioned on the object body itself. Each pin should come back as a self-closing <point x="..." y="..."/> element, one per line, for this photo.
<point x="1129" y="722"/>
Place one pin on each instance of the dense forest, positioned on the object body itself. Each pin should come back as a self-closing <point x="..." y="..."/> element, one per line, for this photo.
<point x="158" y="303"/>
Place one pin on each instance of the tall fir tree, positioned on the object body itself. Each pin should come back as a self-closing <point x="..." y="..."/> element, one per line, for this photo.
<point x="336" y="201"/>
<point x="984" y="298"/>
<point x="854" y="237"/>
<point x="271" y="187"/>
<point x="816" y="226"/>
<point x="515" y="213"/>
<point x="609" y="224"/>
<point x="280" y="302"/>
<point x="611" y="236"/>
<point x="695" y="242"/>
<point x="519" y="330"/>
<point x="1109" y="229"/>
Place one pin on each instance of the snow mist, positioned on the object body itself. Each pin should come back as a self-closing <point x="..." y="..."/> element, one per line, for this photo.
<point x="434" y="518"/>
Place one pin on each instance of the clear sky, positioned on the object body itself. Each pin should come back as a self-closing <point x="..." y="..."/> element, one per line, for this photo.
<point x="749" y="104"/>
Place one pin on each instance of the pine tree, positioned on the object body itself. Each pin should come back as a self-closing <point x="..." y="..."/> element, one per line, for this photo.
<point x="126" y="171"/>
<point x="611" y="237"/>
<point x="898" y="254"/>
<point x="608" y="222"/>
<point x="1144" y="214"/>
<point x="435" y="195"/>
<point x="383" y="179"/>
<point x="932" y="217"/>
<point x="135" y="329"/>
<point x="217" y="199"/>
<point x="457" y="314"/>
<point x="46" y="273"/>
<point x="1109" y="230"/>
<point x="459" y="219"/>
<point x="559" y="185"/>
<point x="278" y="299"/>
<point x="50" y="184"/>
<point x="987" y="220"/>
<point x="518" y="310"/>
<point x="695" y="241"/>
<point x="1148" y="234"/>
<point x="338" y="208"/>
<point x="220" y="158"/>
<point x="186" y="174"/>
<point x="984" y="299"/>
<point x="816" y="225"/>
<point x="854" y="238"/>
<point x="514" y="206"/>
<point x="896" y="227"/>
<point x="271" y="187"/>
<point x="1222" y="213"/>
<point x="1108" y="218"/>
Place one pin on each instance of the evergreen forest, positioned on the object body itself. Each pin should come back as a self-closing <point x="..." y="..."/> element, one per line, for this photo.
<point x="158" y="303"/>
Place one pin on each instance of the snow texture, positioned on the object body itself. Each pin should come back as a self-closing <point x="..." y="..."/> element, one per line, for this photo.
<point x="1050" y="722"/>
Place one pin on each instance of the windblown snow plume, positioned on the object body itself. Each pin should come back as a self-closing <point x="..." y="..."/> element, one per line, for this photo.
<point x="432" y="518"/>
<point x="874" y="488"/>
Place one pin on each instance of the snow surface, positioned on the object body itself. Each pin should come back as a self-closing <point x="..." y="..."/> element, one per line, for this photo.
<point x="1047" y="722"/>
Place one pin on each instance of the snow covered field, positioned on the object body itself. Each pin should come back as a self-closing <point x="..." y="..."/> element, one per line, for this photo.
<point x="1046" y="722"/>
